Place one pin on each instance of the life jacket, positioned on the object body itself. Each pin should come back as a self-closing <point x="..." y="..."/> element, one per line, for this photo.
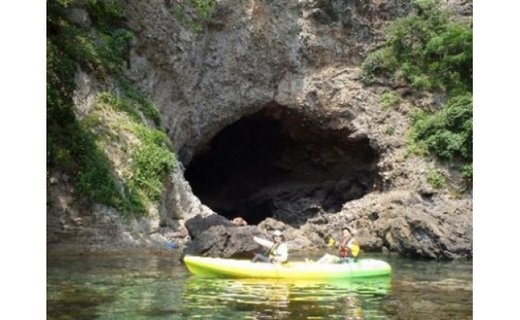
<point x="278" y="252"/>
<point x="273" y="251"/>
<point x="344" y="250"/>
<point x="349" y="249"/>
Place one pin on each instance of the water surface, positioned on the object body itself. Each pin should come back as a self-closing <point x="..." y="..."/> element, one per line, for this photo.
<point x="153" y="287"/>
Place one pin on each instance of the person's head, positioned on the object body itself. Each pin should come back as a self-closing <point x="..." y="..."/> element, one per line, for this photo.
<point x="278" y="236"/>
<point x="346" y="232"/>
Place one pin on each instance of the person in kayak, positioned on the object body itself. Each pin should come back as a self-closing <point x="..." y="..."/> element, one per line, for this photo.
<point x="348" y="245"/>
<point x="278" y="251"/>
<point x="348" y="248"/>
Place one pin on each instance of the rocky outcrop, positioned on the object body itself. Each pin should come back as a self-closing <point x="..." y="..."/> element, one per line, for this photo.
<point x="199" y="224"/>
<point x="212" y="236"/>
<point x="299" y="58"/>
<point x="71" y="229"/>
<point x="225" y="242"/>
<point x="407" y="223"/>
<point x="400" y="221"/>
<point x="260" y="52"/>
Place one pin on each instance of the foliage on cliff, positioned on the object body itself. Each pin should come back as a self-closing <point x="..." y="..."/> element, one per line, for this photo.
<point x="431" y="51"/>
<point x="114" y="155"/>
<point x="194" y="13"/>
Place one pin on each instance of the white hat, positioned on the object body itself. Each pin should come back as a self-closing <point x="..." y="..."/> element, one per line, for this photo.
<point x="277" y="233"/>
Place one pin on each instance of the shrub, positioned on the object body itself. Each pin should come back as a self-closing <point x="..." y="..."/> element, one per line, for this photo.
<point x="105" y="14"/>
<point x="428" y="48"/>
<point x="431" y="51"/>
<point x="388" y="100"/>
<point x="448" y="133"/>
<point x="148" y="149"/>
<point x="150" y="164"/>
<point x="194" y="13"/>
<point x="435" y="179"/>
<point x="381" y="62"/>
<point x="72" y="146"/>
<point x="467" y="174"/>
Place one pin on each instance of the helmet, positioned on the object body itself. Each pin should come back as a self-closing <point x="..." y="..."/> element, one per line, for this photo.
<point x="277" y="233"/>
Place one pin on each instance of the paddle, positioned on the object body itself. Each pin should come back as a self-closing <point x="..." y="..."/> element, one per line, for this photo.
<point x="263" y="242"/>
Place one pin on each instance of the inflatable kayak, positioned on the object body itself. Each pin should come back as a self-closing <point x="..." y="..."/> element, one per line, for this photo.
<point x="292" y="270"/>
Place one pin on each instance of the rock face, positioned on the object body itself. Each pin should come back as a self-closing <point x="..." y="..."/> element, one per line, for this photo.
<point x="258" y="53"/>
<point x="405" y="222"/>
<point x="335" y="157"/>
<point x="295" y="67"/>
<point x="225" y="242"/>
<point x="101" y="230"/>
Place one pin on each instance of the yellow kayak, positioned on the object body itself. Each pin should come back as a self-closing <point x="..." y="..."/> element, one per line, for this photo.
<point x="291" y="270"/>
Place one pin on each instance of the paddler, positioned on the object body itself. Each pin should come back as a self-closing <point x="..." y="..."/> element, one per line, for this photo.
<point x="348" y="248"/>
<point x="348" y="245"/>
<point x="278" y="251"/>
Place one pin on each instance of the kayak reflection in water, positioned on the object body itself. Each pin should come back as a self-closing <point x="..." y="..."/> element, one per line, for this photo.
<point x="285" y="298"/>
<point x="353" y="309"/>
<point x="278" y="251"/>
<point x="348" y="248"/>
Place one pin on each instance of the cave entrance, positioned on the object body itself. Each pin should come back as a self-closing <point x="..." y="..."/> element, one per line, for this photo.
<point x="277" y="163"/>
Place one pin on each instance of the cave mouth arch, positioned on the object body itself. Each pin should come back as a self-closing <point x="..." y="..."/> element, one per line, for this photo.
<point x="278" y="163"/>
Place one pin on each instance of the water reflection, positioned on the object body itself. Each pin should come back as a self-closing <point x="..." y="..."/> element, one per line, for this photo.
<point x="112" y="288"/>
<point x="285" y="299"/>
<point x="158" y="288"/>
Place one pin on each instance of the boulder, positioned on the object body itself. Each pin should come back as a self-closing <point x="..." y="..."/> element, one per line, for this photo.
<point x="198" y="224"/>
<point x="225" y="241"/>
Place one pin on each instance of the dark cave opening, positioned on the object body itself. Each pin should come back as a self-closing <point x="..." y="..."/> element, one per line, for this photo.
<point x="277" y="163"/>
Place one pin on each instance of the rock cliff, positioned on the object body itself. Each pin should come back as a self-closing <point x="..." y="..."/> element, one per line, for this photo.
<point x="265" y="110"/>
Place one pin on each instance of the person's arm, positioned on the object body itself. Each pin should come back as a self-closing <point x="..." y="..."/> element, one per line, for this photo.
<point x="352" y="242"/>
<point x="263" y="242"/>
<point x="354" y="247"/>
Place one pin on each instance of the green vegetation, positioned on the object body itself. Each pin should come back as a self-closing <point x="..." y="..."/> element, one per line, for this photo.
<point x="80" y="148"/>
<point x="379" y="63"/>
<point x="140" y="102"/>
<point x="390" y="130"/>
<point x="435" y="179"/>
<point x="143" y="152"/>
<point x="467" y="173"/>
<point x="101" y="49"/>
<point x="201" y="11"/>
<point x="447" y="133"/>
<point x="151" y="162"/>
<point x="389" y="100"/>
<point x="431" y="51"/>
<point x="428" y="49"/>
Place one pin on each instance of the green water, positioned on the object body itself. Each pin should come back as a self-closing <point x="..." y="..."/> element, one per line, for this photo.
<point x="151" y="287"/>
